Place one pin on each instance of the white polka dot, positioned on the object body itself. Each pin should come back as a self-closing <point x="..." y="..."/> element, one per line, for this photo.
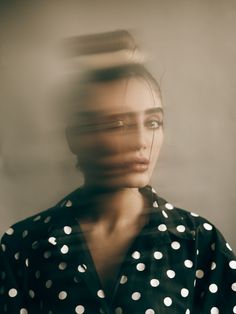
<point x="207" y="226"/>
<point x="64" y="249"/>
<point x="23" y="311"/>
<point x="169" y="206"/>
<point x="37" y="274"/>
<point x="199" y="273"/>
<point x="214" y="310"/>
<point x="118" y="310"/>
<point x="213" y="265"/>
<point x="48" y="284"/>
<point x="197" y="251"/>
<point x="62" y="266"/>
<point x="82" y="268"/>
<point x="213" y="288"/>
<point x="67" y="229"/>
<point x="175" y="245"/>
<point x="25" y="233"/>
<point x="10" y="231"/>
<point x="140" y="266"/>
<point x="170" y="273"/>
<point x="37" y="218"/>
<point x="17" y="255"/>
<point x="47" y="254"/>
<point x="136" y="255"/>
<point x="149" y="311"/>
<point x="12" y="293"/>
<point x="31" y="294"/>
<point x="62" y="295"/>
<point x="47" y="219"/>
<point x="213" y="246"/>
<point x="68" y="203"/>
<point x="158" y="255"/>
<point x="233" y="286"/>
<point x="188" y="263"/>
<point x="228" y="246"/>
<point x="187" y="311"/>
<point x="180" y="228"/>
<point x="164" y="214"/>
<point x="234" y="309"/>
<point x="184" y="292"/>
<point x="194" y="214"/>
<point x="155" y="204"/>
<point x="136" y="296"/>
<point x="123" y="279"/>
<point x="52" y="240"/>
<point x="101" y="294"/>
<point x="77" y="280"/>
<point x="232" y="264"/>
<point x="167" y="301"/>
<point x="27" y="262"/>
<point x="35" y="245"/>
<point x="79" y="309"/>
<point x="162" y="227"/>
<point x="3" y="246"/>
<point x="154" y="282"/>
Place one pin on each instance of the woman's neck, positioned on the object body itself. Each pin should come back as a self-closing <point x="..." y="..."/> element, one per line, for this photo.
<point x="113" y="208"/>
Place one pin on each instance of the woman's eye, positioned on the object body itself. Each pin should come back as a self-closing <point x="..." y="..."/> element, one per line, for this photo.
<point x="154" y="124"/>
<point x="115" y="125"/>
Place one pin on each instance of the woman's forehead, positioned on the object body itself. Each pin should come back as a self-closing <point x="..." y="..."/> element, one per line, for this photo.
<point x="126" y="95"/>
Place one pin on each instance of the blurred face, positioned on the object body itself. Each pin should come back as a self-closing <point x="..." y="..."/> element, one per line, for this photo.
<point x="118" y="133"/>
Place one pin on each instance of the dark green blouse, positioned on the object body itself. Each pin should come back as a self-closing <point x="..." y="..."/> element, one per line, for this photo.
<point x="178" y="263"/>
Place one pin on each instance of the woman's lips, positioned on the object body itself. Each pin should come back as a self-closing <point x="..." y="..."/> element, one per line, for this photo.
<point x="138" y="164"/>
<point x="138" y="167"/>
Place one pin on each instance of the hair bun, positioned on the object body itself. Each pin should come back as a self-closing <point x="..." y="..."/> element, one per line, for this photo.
<point x="103" y="50"/>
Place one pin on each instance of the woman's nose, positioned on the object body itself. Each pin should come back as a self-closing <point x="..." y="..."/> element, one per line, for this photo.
<point x="138" y="137"/>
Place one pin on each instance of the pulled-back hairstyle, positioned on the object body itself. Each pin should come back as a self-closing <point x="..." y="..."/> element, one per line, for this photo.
<point x="103" y="58"/>
<point x="78" y="87"/>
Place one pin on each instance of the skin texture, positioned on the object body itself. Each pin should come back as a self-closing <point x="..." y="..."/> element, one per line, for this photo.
<point x="105" y="154"/>
<point x="109" y="158"/>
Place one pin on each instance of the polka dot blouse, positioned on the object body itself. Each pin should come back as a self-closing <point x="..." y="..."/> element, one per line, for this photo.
<point x="178" y="263"/>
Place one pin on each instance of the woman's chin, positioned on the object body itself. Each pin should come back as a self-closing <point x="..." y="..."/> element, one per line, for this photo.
<point x="137" y="180"/>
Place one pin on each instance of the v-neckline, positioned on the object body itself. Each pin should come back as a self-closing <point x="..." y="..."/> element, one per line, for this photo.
<point x="118" y="274"/>
<point x="115" y="283"/>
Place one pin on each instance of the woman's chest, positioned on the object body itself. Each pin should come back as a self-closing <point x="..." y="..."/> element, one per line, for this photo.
<point x="143" y="277"/>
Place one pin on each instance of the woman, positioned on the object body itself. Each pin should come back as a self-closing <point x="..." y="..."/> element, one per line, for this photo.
<point x="114" y="245"/>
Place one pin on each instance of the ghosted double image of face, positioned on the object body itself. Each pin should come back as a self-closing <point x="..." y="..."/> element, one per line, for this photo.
<point x="116" y="127"/>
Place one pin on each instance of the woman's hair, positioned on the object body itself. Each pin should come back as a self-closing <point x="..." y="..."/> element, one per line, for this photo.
<point x="79" y="87"/>
<point x="103" y="58"/>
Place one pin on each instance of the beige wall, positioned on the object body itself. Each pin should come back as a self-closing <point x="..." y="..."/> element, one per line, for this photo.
<point x="192" y="50"/>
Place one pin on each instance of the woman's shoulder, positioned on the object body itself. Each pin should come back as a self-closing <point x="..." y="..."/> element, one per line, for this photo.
<point x="184" y="223"/>
<point x="37" y="226"/>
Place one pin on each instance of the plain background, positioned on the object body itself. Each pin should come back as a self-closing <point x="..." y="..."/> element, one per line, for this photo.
<point x="192" y="51"/>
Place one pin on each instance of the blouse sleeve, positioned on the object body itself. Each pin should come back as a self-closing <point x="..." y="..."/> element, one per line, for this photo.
<point x="11" y="277"/>
<point x="215" y="273"/>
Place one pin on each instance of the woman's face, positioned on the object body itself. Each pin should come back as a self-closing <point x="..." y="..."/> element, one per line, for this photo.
<point x="118" y="133"/>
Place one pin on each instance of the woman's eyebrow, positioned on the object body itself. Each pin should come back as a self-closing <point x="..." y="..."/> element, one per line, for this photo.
<point x="154" y="110"/>
<point x="104" y="114"/>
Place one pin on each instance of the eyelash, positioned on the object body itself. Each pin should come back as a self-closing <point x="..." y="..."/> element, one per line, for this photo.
<point x="152" y="124"/>
<point x="149" y="124"/>
<point x="155" y="127"/>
